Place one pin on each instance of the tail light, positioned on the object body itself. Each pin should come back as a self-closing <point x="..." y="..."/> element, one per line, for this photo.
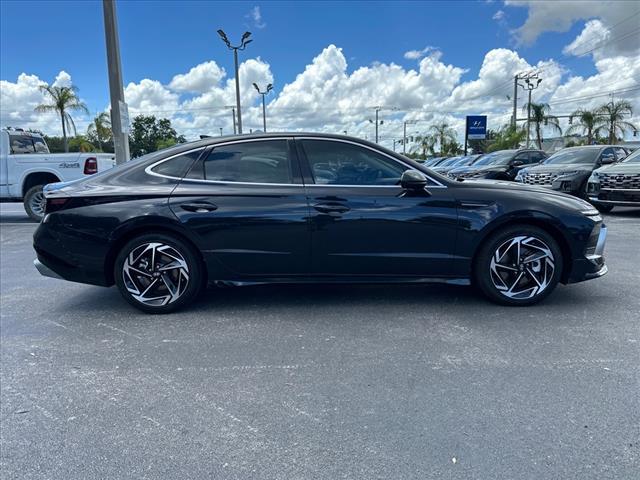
<point x="90" y="166"/>
<point x="55" y="204"/>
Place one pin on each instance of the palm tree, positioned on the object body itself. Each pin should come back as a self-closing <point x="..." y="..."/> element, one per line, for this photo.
<point x="612" y="114"/>
<point x="426" y="142"/>
<point x="588" y="121"/>
<point x="509" y="136"/>
<point x="100" y="129"/>
<point x="443" y="133"/>
<point x="63" y="99"/>
<point x="539" y="114"/>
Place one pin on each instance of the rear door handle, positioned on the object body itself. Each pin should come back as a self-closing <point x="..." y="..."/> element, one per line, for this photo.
<point x="331" y="208"/>
<point x="199" y="207"/>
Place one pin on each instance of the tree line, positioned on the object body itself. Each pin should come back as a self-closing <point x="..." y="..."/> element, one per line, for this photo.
<point x="605" y="124"/>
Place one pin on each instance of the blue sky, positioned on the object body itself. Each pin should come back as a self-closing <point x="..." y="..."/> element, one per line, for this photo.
<point x="160" y="39"/>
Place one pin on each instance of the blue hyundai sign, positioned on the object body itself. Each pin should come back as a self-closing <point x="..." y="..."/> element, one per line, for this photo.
<point x="476" y="127"/>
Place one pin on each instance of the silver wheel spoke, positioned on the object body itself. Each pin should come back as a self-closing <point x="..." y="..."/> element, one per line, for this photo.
<point x="522" y="267"/>
<point x="155" y="274"/>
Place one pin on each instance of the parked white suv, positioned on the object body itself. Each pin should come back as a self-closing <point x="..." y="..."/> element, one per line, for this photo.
<point x="26" y="165"/>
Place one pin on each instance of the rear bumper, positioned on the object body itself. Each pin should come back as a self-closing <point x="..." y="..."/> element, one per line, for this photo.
<point x="45" y="271"/>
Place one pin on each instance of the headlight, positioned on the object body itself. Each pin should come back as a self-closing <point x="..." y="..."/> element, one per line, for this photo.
<point x="564" y="174"/>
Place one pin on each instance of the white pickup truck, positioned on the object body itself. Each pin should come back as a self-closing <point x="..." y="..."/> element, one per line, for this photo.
<point x="26" y="165"/>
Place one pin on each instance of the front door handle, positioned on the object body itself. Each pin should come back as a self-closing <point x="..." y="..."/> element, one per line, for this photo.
<point x="331" y="208"/>
<point x="199" y="207"/>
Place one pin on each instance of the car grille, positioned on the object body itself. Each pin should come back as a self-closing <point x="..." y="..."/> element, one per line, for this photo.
<point x="535" y="178"/>
<point x="614" y="181"/>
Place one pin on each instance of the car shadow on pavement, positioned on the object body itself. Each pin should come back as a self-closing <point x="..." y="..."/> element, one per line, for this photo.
<point x="318" y="300"/>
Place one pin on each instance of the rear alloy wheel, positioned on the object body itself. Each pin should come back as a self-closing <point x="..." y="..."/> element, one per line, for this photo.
<point x="35" y="203"/>
<point x="519" y="266"/>
<point x="158" y="273"/>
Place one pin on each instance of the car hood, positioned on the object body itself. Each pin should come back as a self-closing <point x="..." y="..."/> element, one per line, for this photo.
<point x="560" y="168"/>
<point x="541" y="192"/>
<point x="483" y="168"/>
<point x="619" y="168"/>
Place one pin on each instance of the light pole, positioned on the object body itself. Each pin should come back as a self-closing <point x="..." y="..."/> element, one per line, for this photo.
<point x="233" y="115"/>
<point x="220" y="131"/>
<point x="531" y="83"/>
<point x="404" y="134"/>
<point x="381" y="122"/>
<point x="264" y="111"/>
<point x="244" y="41"/>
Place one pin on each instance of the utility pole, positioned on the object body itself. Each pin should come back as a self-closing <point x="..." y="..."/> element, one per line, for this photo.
<point x="515" y="100"/>
<point x="531" y="83"/>
<point x="233" y="115"/>
<point x="404" y="134"/>
<point x="394" y="144"/>
<point x="264" y="112"/>
<point x="244" y="41"/>
<point x="220" y="131"/>
<point x="381" y="122"/>
<point x="119" y="111"/>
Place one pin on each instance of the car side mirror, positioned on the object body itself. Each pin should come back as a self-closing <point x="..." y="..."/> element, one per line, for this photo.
<point x="607" y="159"/>
<point x="517" y="163"/>
<point x="413" y="180"/>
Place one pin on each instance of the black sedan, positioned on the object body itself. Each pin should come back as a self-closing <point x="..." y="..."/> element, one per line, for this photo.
<point x="500" y="165"/>
<point x="287" y="208"/>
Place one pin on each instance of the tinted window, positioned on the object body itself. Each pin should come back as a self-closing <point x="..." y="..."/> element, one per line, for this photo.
<point x="573" y="156"/>
<point x="537" y="157"/>
<point x="620" y="153"/>
<point x="340" y="163"/>
<point x="177" y="167"/>
<point x="250" y="162"/>
<point x="21" y="144"/>
<point x="502" y="157"/>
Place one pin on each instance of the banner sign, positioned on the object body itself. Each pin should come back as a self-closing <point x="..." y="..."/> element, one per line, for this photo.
<point x="476" y="127"/>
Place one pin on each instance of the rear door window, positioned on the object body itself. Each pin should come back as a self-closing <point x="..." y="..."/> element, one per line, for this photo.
<point x="264" y="161"/>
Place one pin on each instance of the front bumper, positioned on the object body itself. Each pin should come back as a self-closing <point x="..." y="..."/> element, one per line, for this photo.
<point x="620" y="197"/>
<point x="592" y="265"/>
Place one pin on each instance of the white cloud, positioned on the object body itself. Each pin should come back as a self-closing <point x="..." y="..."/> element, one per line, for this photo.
<point x="199" y="79"/>
<point x="499" y="15"/>
<point x="19" y="99"/>
<point x="327" y="96"/>
<point x="418" y="54"/>
<point x="619" y="18"/>
<point x="63" y="79"/>
<point x="256" y="16"/>
<point x="594" y="34"/>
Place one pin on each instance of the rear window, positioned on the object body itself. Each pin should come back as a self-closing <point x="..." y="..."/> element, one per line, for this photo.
<point x="21" y="144"/>
<point x="177" y="167"/>
<point x="568" y="157"/>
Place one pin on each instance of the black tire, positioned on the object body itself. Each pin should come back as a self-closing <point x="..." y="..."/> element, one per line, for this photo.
<point x="32" y="198"/>
<point x="545" y="271"/>
<point x="194" y="272"/>
<point x="604" y="208"/>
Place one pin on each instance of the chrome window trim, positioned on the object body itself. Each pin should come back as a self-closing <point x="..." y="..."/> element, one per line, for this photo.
<point x="149" y="168"/>
<point x="438" y="184"/>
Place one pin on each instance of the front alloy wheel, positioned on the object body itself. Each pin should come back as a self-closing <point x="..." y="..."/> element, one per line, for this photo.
<point x="158" y="273"/>
<point x="519" y="266"/>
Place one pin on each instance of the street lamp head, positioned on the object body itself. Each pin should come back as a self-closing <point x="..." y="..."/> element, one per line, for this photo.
<point x="255" y="85"/>
<point x="269" y="87"/>
<point x="245" y="35"/>
<point x="224" y="38"/>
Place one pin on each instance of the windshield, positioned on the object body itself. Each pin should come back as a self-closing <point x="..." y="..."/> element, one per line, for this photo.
<point x="633" y="158"/>
<point x="571" y="156"/>
<point x="496" y="158"/>
<point x="450" y="161"/>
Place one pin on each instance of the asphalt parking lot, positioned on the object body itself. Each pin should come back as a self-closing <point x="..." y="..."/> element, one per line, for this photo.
<point x="320" y="381"/>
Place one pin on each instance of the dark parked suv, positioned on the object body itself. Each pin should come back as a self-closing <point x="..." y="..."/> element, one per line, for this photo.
<point x="500" y="165"/>
<point x="569" y="169"/>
